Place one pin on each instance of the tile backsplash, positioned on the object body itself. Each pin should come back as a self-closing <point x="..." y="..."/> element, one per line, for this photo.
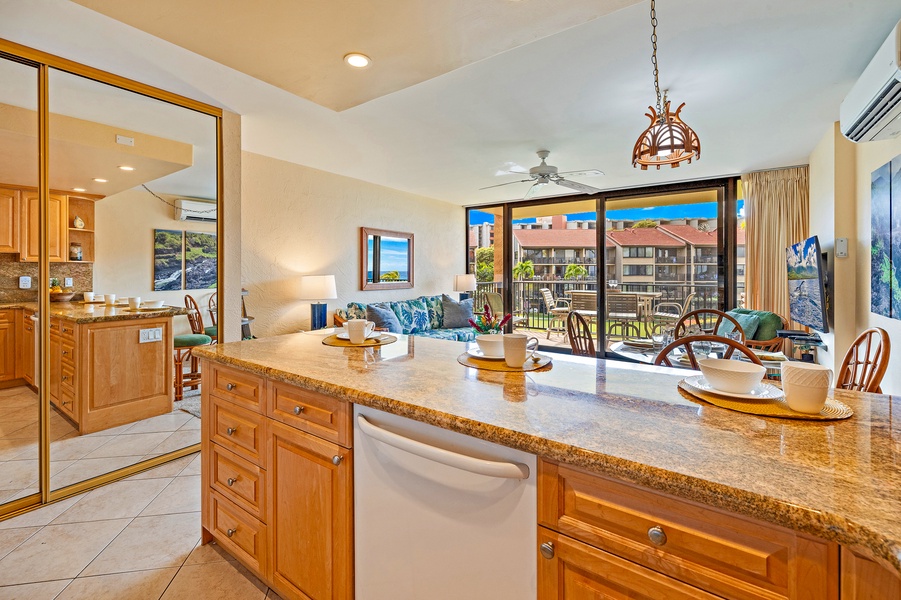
<point x="11" y="269"/>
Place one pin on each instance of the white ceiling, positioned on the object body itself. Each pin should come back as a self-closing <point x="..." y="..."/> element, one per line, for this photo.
<point x="762" y="81"/>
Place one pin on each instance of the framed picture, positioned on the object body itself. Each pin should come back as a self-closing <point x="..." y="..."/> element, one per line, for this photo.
<point x="201" y="258"/>
<point x="885" y="251"/>
<point x="168" y="260"/>
<point x="386" y="259"/>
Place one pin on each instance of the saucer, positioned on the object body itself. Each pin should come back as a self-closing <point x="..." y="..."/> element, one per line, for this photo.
<point x="343" y="335"/>
<point x="477" y="353"/>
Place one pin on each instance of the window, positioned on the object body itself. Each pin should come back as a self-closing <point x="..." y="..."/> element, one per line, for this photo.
<point x="646" y="270"/>
<point x="638" y="252"/>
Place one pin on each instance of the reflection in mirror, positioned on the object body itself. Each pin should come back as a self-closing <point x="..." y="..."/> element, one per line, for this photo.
<point x="387" y="259"/>
<point x="19" y="378"/>
<point x="133" y="194"/>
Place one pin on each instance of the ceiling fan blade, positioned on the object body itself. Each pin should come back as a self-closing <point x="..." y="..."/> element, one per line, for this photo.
<point x="534" y="189"/>
<point x="502" y="184"/>
<point x="588" y="173"/>
<point x="574" y="185"/>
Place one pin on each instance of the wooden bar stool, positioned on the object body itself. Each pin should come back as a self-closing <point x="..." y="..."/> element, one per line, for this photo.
<point x="183" y="346"/>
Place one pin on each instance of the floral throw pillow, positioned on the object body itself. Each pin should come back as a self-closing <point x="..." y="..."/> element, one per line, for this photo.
<point x="356" y="310"/>
<point x="436" y="311"/>
<point x="412" y="314"/>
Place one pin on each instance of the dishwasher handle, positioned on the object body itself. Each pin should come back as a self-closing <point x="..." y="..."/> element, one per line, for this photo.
<point x="490" y="468"/>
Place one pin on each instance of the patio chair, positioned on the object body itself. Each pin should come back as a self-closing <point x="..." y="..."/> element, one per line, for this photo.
<point x="623" y="310"/>
<point x="686" y="344"/>
<point x="667" y="314"/>
<point x="581" y="340"/>
<point x="496" y="302"/>
<point x="558" y="309"/>
<point x="707" y="320"/>
<point x="865" y="362"/>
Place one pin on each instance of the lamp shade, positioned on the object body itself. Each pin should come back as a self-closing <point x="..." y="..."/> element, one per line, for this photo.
<point x="464" y="283"/>
<point x="318" y="287"/>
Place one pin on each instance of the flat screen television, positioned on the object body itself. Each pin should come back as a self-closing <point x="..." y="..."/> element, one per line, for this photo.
<point x="807" y="284"/>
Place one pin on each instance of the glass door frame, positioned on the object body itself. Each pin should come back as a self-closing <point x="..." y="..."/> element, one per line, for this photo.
<point x="44" y="62"/>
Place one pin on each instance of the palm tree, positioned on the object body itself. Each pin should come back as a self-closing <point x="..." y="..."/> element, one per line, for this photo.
<point x="575" y="272"/>
<point x="524" y="270"/>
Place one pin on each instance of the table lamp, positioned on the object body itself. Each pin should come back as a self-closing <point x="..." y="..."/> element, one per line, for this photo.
<point x="464" y="283"/>
<point x="318" y="288"/>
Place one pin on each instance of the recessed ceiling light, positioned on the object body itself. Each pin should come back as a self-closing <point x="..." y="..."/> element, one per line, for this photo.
<point x="126" y="168"/>
<point x="99" y="180"/>
<point x="79" y="190"/>
<point x="355" y="59"/>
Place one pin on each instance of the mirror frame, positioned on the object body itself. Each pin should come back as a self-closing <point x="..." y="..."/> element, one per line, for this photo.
<point x="365" y="284"/>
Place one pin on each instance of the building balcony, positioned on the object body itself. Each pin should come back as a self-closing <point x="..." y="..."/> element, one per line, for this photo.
<point x="705" y="259"/>
<point x="670" y="260"/>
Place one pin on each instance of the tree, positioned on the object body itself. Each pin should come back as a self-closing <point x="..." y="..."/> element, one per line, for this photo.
<point x="390" y="276"/>
<point x="575" y="272"/>
<point x="485" y="263"/>
<point x="524" y="270"/>
<point x="645" y="224"/>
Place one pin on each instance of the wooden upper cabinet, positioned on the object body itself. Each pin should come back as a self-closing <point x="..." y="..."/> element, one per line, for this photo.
<point x="9" y="220"/>
<point x="58" y="228"/>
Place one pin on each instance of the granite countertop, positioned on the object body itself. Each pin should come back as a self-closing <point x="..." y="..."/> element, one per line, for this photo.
<point x="80" y="312"/>
<point x="838" y="480"/>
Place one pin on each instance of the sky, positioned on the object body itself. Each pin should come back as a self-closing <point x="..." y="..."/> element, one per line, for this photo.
<point x="706" y="210"/>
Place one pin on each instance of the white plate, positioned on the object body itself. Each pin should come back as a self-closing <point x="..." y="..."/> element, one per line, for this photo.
<point x="477" y="353"/>
<point x="374" y="334"/>
<point x="763" y="391"/>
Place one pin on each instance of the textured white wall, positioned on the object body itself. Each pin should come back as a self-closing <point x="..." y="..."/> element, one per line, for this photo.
<point x="300" y="221"/>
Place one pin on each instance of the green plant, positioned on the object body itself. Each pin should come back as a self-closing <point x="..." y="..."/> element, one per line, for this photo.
<point x="574" y="272"/>
<point x="645" y="224"/>
<point x="485" y="264"/>
<point x="390" y="276"/>
<point x="488" y="321"/>
<point x="524" y="270"/>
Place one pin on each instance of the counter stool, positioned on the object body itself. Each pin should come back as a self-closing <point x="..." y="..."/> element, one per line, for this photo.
<point x="183" y="346"/>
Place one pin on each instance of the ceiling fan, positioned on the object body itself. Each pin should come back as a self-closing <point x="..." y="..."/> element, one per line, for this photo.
<point x="544" y="174"/>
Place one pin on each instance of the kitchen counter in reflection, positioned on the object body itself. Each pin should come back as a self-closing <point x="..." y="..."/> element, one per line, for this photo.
<point x="838" y="480"/>
<point x="79" y="312"/>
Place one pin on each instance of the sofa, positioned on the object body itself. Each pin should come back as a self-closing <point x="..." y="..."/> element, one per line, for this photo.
<point x="423" y="316"/>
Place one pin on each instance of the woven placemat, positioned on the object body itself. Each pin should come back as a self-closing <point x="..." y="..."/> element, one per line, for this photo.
<point x="468" y="360"/>
<point x="334" y="340"/>
<point x="834" y="409"/>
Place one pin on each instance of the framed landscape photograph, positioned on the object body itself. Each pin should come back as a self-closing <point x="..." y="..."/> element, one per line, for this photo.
<point x="168" y="260"/>
<point x="201" y="258"/>
<point x="885" y="250"/>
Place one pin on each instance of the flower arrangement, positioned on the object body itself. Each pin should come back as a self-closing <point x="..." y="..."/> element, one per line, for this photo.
<point x="488" y="322"/>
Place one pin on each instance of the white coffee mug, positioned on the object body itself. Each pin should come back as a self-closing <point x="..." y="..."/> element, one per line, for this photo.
<point x="134" y="302"/>
<point x="89" y="296"/>
<point x="110" y="299"/>
<point x="358" y="329"/>
<point x="806" y="386"/>
<point x="518" y="348"/>
<point x="491" y="345"/>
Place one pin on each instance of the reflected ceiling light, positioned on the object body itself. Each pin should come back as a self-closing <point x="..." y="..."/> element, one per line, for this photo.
<point x="355" y="59"/>
<point x="668" y="140"/>
<point x="99" y="180"/>
<point x="126" y="168"/>
<point x="79" y="190"/>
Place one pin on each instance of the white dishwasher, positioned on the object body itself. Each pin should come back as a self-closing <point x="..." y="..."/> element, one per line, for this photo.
<point x="439" y="515"/>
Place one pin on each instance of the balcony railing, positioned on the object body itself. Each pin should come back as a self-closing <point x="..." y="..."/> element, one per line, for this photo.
<point x="559" y="260"/>
<point x="670" y="260"/>
<point x="702" y="259"/>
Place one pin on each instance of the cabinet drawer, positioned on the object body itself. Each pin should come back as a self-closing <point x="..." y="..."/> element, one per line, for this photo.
<point x="238" y="429"/>
<point x="67" y="329"/>
<point x="236" y="386"/>
<point x="239" y="533"/>
<point x="239" y="480"/>
<point x="67" y="403"/>
<point x="67" y="352"/>
<point x="7" y="315"/>
<point x="720" y="552"/>
<point x="55" y="327"/>
<point x="321" y="415"/>
<point x="67" y="378"/>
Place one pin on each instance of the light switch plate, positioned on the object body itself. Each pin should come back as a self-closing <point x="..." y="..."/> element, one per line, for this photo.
<point x="841" y="247"/>
<point x="24" y="282"/>
<point x="154" y="334"/>
<point x="67" y="282"/>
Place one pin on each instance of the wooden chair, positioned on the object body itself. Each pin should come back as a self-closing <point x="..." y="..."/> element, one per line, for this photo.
<point x="624" y="313"/>
<point x="213" y="308"/>
<point x="183" y="345"/>
<point x="686" y="344"/>
<point x="581" y="340"/>
<point x="708" y="320"/>
<point x="196" y="320"/>
<point x="772" y="345"/>
<point x="558" y="309"/>
<point x="662" y="318"/>
<point x="865" y="363"/>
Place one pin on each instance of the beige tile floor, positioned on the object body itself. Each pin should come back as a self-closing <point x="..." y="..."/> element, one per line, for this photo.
<point x="136" y="539"/>
<point x="74" y="458"/>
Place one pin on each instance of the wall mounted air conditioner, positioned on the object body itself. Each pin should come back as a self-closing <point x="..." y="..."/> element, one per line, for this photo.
<point x="872" y="109"/>
<point x="195" y="210"/>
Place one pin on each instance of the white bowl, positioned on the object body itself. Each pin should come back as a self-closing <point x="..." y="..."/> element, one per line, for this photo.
<point x="491" y="345"/>
<point x="735" y="376"/>
<point x="152" y="303"/>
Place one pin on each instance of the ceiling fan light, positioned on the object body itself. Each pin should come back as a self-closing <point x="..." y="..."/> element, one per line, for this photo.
<point x="667" y="141"/>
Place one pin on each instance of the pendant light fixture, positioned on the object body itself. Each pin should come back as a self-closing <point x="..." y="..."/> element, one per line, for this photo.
<point x="668" y="140"/>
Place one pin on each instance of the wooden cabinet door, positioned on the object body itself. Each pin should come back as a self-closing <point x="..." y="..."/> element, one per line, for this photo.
<point x="27" y="348"/>
<point x="7" y="350"/>
<point x="571" y="570"/>
<point x="310" y="516"/>
<point x="9" y="220"/>
<point x="55" y="366"/>
<point x="58" y="238"/>
<point x="864" y="579"/>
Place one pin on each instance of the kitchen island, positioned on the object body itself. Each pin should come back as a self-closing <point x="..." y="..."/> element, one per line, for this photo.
<point x="836" y="482"/>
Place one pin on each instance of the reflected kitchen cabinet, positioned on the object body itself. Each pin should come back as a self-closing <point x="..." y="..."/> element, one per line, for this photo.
<point x="7" y="345"/>
<point x="9" y="220"/>
<point x="57" y="235"/>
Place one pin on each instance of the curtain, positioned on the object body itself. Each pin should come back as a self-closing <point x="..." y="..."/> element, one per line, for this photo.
<point x="776" y="216"/>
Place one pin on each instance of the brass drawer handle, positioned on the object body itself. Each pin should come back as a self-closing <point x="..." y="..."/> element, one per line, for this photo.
<point x="547" y="550"/>
<point x="65" y="377"/>
<point x="231" y="430"/>
<point x="657" y="535"/>
<point x="66" y="330"/>
<point x="298" y="410"/>
<point x="231" y="532"/>
<point x="231" y="481"/>
<point x="336" y="460"/>
<point x="65" y="352"/>
<point x="230" y="386"/>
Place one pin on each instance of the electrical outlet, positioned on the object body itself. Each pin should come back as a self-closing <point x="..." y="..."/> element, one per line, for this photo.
<point x="125" y="140"/>
<point x="67" y="282"/>
<point x="151" y="335"/>
<point x="24" y="282"/>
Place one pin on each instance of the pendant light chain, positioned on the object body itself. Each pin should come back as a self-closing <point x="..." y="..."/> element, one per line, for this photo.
<point x="654" y="58"/>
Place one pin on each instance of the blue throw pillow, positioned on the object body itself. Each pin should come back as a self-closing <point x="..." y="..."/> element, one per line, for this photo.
<point x="456" y="314"/>
<point x="749" y="324"/>
<point x="383" y="317"/>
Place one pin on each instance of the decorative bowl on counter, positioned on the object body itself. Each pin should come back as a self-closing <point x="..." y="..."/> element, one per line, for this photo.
<point x="152" y="304"/>
<point x="735" y="376"/>
<point x="61" y="296"/>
